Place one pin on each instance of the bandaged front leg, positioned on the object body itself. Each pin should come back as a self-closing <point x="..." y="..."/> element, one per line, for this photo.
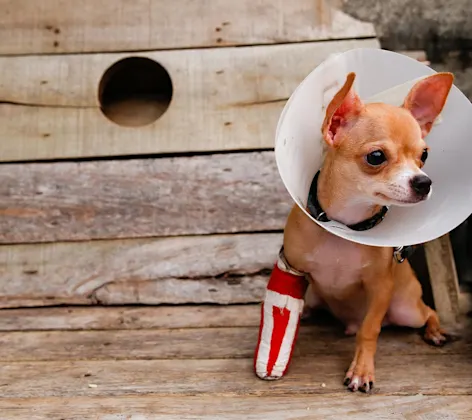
<point x="280" y="319"/>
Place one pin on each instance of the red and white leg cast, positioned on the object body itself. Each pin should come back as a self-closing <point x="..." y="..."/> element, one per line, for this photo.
<point x="280" y="319"/>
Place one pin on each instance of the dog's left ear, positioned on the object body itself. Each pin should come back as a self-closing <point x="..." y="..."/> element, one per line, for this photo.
<point x="426" y="99"/>
<point x="345" y="104"/>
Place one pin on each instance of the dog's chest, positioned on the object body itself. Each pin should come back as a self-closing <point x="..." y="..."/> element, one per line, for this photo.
<point x="336" y="266"/>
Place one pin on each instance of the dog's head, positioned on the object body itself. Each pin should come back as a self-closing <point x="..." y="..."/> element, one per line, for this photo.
<point x="381" y="148"/>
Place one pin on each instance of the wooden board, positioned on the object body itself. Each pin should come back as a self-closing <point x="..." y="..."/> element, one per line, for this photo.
<point x="58" y="27"/>
<point x="223" y="99"/>
<point x="193" y="343"/>
<point x="292" y="407"/>
<point x="67" y="201"/>
<point x="443" y="278"/>
<point x="171" y="372"/>
<point x="129" y="317"/>
<point x="408" y="375"/>
<point x="200" y="269"/>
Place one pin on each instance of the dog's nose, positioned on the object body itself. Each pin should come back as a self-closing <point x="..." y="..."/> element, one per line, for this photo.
<point x="421" y="184"/>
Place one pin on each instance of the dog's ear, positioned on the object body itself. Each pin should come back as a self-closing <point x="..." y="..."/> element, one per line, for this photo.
<point x="345" y="104"/>
<point x="426" y="99"/>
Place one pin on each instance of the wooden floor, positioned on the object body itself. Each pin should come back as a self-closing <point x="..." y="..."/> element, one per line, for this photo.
<point x="195" y="362"/>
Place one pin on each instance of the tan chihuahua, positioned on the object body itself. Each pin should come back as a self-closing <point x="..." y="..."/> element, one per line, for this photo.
<point x="374" y="158"/>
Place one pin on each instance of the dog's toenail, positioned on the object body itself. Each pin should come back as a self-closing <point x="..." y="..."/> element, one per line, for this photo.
<point x="371" y="384"/>
<point x="347" y="381"/>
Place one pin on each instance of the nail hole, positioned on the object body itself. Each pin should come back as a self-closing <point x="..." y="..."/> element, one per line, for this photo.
<point x="135" y="91"/>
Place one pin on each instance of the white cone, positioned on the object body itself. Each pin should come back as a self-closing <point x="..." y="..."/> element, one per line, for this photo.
<point x="381" y="76"/>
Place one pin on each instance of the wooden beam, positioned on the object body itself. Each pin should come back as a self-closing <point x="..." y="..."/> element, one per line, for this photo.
<point x="223" y="99"/>
<point x="56" y="26"/>
<point x="77" y="318"/>
<point x="199" y="269"/>
<point x="70" y="201"/>
<point x="313" y="407"/>
<point x="414" y="374"/>
<point x="193" y="343"/>
<point x="443" y="278"/>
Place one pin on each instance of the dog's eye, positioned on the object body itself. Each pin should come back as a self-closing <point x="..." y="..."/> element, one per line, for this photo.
<point x="376" y="158"/>
<point x="424" y="156"/>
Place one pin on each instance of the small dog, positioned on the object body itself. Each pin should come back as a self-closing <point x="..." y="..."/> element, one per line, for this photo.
<point x="374" y="158"/>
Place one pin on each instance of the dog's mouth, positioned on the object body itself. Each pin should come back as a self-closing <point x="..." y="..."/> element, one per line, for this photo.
<point x="402" y="202"/>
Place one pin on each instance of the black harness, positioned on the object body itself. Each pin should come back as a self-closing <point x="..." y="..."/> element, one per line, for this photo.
<point x="314" y="208"/>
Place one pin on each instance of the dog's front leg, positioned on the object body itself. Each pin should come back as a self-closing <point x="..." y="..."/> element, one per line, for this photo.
<point x="280" y="318"/>
<point x="360" y="374"/>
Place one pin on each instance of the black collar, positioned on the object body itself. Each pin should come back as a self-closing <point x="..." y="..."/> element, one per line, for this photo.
<point x="318" y="213"/>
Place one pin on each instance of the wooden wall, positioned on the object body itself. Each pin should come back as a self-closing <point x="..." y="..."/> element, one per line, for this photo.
<point x="93" y="212"/>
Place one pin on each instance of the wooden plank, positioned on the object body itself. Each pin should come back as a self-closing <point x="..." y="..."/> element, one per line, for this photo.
<point x="129" y="317"/>
<point x="465" y="303"/>
<point x="443" y="278"/>
<point x="193" y="343"/>
<point x="200" y="269"/>
<point x="58" y="27"/>
<point x="408" y="375"/>
<point x="289" y="407"/>
<point x="67" y="201"/>
<point x="223" y="99"/>
<point x="78" y="318"/>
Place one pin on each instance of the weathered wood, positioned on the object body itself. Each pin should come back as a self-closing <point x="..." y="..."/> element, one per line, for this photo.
<point x="465" y="303"/>
<point x="194" y="343"/>
<point x="408" y="375"/>
<point x="67" y="201"/>
<point x="79" y="318"/>
<point x="199" y="269"/>
<point x="58" y="27"/>
<point x="443" y="278"/>
<point x="223" y="99"/>
<point x="290" y="407"/>
<point x="129" y="317"/>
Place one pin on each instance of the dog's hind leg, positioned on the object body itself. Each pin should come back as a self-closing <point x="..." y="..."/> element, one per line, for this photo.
<point x="407" y="308"/>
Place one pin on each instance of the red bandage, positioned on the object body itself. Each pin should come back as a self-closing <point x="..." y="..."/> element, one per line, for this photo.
<point x="280" y="319"/>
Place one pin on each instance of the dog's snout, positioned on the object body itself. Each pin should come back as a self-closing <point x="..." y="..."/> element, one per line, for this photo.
<point x="421" y="184"/>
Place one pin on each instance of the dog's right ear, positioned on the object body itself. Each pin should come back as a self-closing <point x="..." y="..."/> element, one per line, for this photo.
<point x="345" y="104"/>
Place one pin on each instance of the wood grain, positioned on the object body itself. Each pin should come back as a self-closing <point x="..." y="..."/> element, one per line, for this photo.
<point x="58" y="26"/>
<point x="223" y="99"/>
<point x="443" y="278"/>
<point x="410" y="375"/>
<point x="93" y="318"/>
<point x="199" y="269"/>
<point x="289" y="407"/>
<point x="67" y="201"/>
<point x="129" y="317"/>
<point x="193" y="343"/>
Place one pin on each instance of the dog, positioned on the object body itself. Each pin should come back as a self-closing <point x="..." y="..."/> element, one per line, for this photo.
<point x="374" y="158"/>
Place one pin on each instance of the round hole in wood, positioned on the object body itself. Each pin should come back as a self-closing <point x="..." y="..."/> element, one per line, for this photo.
<point x="135" y="91"/>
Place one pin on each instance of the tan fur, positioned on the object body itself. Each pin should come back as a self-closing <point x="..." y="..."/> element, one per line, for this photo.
<point x="363" y="286"/>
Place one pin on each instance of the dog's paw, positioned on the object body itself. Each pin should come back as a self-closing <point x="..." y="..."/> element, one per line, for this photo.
<point x="438" y="337"/>
<point x="360" y="375"/>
